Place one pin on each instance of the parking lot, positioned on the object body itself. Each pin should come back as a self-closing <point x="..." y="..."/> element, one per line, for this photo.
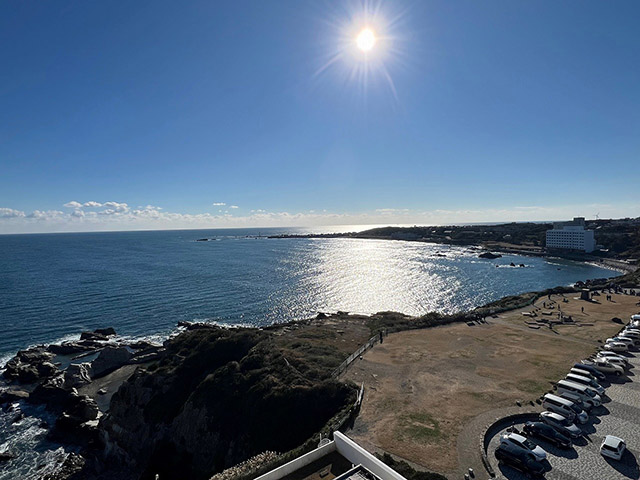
<point x="619" y="415"/>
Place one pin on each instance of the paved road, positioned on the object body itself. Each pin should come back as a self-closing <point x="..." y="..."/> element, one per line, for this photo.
<point x="619" y="416"/>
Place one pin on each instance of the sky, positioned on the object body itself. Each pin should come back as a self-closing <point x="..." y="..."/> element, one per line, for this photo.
<point x="204" y="114"/>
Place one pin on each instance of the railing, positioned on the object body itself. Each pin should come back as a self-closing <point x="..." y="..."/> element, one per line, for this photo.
<point x="343" y="366"/>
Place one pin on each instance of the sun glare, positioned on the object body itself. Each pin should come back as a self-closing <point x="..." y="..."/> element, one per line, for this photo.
<point x="365" y="44"/>
<point x="366" y="40"/>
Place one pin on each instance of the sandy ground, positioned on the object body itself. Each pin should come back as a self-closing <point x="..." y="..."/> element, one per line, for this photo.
<point x="109" y="383"/>
<point x="425" y="387"/>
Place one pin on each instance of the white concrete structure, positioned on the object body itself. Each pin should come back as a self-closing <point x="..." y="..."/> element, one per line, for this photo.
<point x="350" y="450"/>
<point x="571" y="236"/>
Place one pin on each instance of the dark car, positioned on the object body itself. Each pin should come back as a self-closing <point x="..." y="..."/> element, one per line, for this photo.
<point x="546" y="432"/>
<point x="520" y="460"/>
<point x="593" y="371"/>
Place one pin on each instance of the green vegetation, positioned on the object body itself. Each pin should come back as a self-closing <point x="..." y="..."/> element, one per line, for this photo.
<point x="420" y="426"/>
<point x="407" y="471"/>
<point x="218" y="397"/>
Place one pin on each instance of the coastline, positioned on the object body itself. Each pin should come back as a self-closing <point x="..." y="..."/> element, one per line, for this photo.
<point x="617" y="265"/>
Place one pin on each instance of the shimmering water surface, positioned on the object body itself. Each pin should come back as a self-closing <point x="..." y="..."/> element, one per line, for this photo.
<point x="142" y="283"/>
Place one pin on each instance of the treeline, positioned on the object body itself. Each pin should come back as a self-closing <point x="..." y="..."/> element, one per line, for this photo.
<point x="618" y="238"/>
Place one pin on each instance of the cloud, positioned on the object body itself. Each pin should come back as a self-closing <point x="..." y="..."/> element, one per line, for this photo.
<point x="120" y="216"/>
<point x="10" y="213"/>
<point x="392" y="211"/>
<point x="92" y="204"/>
<point x="73" y="204"/>
<point x="234" y="206"/>
<point x="218" y="204"/>
<point x="47" y="214"/>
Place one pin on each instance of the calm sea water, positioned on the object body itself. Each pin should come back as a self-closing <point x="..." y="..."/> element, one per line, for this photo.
<point x="143" y="283"/>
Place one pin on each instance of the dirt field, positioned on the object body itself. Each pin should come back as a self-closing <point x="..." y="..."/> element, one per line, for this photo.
<point x="423" y="387"/>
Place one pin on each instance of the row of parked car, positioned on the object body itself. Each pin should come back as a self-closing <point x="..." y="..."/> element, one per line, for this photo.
<point x="574" y="398"/>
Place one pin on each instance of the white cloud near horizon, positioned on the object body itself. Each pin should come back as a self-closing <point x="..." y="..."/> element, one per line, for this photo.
<point x="111" y="215"/>
<point x="218" y="204"/>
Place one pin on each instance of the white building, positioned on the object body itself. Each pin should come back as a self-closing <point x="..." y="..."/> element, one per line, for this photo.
<point x="571" y="236"/>
<point x="340" y="459"/>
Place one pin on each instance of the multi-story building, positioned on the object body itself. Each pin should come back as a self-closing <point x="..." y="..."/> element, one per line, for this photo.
<point x="571" y="236"/>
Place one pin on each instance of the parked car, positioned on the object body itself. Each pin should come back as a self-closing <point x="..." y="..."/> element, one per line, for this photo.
<point x="548" y="433"/>
<point x="605" y="366"/>
<point x="591" y="369"/>
<point x="585" y="393"/>
<point x="560" y="423"/>
<point x="613" y="447"/>
<point x="524" y="443"/>
<point x="619" y="338"/>
<point x="557" y="404"/>
<point x="599" y="389"/>
<point x="577" y="401"/>
<point x="616" y="346"/>
<point x="520" y="460"/>
<point x="632" y="341"/>
<point x="631" y="332"/>
<point x="614" y="358"/>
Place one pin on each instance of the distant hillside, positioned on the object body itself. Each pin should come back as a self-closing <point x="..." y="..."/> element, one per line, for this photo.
<point x="619" y="238"/>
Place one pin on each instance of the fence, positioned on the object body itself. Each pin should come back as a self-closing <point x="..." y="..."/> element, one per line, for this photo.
<point x="372" y="341"/>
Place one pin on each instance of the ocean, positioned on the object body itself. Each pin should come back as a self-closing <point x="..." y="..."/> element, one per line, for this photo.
<point x="54" y="286"/>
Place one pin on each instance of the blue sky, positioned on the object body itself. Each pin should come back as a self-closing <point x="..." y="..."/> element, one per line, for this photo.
<point x="121" y="115"/>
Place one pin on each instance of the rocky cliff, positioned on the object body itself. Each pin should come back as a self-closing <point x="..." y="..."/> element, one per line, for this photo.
<point x="215" y="398"/>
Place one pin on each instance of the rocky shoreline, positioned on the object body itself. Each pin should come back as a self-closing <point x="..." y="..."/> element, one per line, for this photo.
<point x="207" y="399"/>
<point x="55" y="375"/>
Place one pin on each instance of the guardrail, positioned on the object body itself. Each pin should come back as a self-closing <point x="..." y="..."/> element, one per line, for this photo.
<point x="344" y="365"/>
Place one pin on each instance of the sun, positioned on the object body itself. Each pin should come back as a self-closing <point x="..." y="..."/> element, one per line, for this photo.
<point x="366" y="40"/>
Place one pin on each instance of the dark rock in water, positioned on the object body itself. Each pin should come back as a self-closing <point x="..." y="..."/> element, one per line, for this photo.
<point x="321" y="315"/>
<point x="521" y="265"/>
<point x="109" y="331"/>
<point x="13" y="395"/>
<point x="69" y="348"/>
<point x="54" y="397"/>
<point x="29" y="366"/>
<point x="70" y="429"/>
<point x="93" y="336"/>
<point x="71" y="469"/>
<point x="6" y="456"/>
<point x="109" y="359"/>
<point x="77" y="374"/>
<point x="143" y="345"/>
<point x="202" y="240"/>
<point x="489" y="255"/>
<point x="18" y="418"/>
<point x="512" y="264"/>
<point x="196" y="325"/>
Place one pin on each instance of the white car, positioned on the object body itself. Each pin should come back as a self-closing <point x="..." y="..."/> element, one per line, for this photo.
<point x="605" y="366"/>
<point x="560" y="423"/>
<point x="525" y="444"/>
<point x="631" y="332"/>
<point x="613" y="447"/>
<point x="611" y="357"/>
<point x="587" y="382"/>
<point x="616" y="346"/>
<point x="627" y="338"/>
<point x="618" y="338"/>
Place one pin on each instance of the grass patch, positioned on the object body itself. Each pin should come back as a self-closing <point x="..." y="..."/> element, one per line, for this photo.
<point x="533" y="386"/>
<point x="420" y="426"/>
